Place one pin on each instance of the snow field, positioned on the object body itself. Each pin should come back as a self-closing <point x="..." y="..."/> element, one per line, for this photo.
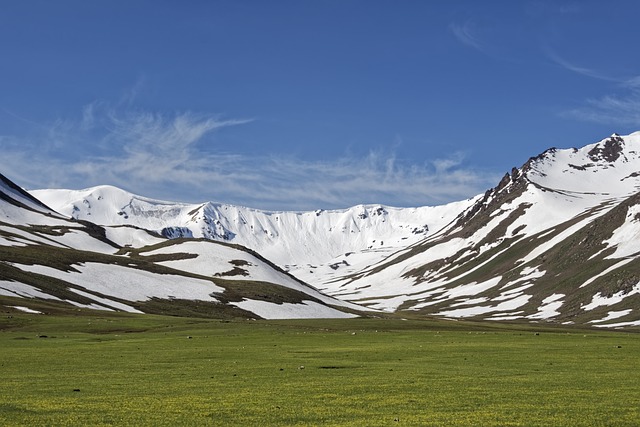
<point x="599" y="300"/>
<point x="305" y="310"/>
<point x="17" y="289"/>
<point x="626" y="238"/>
<point x="213" y="260"/>
<point x="131" y="284"/>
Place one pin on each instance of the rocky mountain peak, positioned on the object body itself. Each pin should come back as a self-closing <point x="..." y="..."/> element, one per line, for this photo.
<point x="608" y="150"/>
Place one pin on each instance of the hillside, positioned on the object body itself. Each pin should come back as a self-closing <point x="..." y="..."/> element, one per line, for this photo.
<point x="310" y="245"/>
<point x="555" y="240"/>
<point x="45" y="256"/>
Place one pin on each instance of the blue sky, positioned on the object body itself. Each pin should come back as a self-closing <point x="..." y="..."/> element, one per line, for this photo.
<point x="307" y="104"/>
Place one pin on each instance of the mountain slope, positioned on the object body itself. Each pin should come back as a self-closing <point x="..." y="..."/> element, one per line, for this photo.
<point x="311" y="245"/>
<point x="556" y="240"/>
<point x="15" y="196"/>
<point x="77" y="263"/>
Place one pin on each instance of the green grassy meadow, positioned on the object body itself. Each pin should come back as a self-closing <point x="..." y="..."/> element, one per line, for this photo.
<point x="92" y="368"/>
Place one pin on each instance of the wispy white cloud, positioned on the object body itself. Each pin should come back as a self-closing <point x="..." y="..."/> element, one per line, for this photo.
<point x="552" y="9"/>
<point x="130" y="94"/>
<point x="620" y="107"/>
<point x="584" y="71"/>
<point x="180" y="157"/>
<point x="467" y="33"/>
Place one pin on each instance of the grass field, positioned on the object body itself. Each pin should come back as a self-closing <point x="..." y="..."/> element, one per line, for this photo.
<point x="113" y="369"/>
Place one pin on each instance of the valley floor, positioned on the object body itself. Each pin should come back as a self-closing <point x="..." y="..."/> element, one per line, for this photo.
<point x="90" y="368"/>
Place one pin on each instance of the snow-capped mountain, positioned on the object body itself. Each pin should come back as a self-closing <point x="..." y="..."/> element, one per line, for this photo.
<point x="311" y="245"/>
<point x="46" y="256"/>
<point x="556" y="240"/>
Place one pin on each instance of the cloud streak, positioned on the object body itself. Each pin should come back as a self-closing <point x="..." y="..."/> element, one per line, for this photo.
<point x="587" y="72"/>
<point x="621" y="108"/>
<point x="610" y="109"/>
<point x="181" y="157"/>
<point x="467" y="34"/>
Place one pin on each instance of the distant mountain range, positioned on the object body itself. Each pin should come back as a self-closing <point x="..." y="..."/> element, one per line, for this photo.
<point x="310" y="245"/>
<point x="557" y="240"/>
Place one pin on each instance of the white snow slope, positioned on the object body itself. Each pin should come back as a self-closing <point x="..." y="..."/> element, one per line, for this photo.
<point x="564" y="216"/>
<point x="311" y="245"/>
<point x="127" y="269"/>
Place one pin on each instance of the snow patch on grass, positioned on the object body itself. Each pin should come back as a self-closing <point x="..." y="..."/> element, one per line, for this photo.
<point x="613" y="315"/>
<point x="129" y="236"/>
<point x="599" y="300"/>
<point x="626" y="238"/>
<point x="214" y="259"/>
<point x="619" y="325"/>
<point x="131" y="284"/>
<point x="25" y="309"/>
<point x="11" y="242"/>
<point x="549" y="307"/>
<point x="13" y="289"/>
<point x="477" y="310"/>
<point x="305" y="310"/>
<point x="527" y="273"/>
<point x="28" y="238"/>
<point x="559" y="238"/>
<point x="107" y="302"/>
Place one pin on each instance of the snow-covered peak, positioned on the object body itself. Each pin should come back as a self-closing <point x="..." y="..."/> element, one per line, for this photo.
<point x="108" y="205"/>
<point x="608" y="168"/>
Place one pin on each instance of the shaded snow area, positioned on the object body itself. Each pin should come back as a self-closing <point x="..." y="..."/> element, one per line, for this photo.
<point x="129" y="236"/>
<point x="129" y="283"/>
<point x="323" y="275"/>
<point x="17" y="196"/>
<point x="92" y="306"/>
<point x="13" y="241"/>
<point x="12" y="214"/>
<point x="107" y="302"/>
<point x="24" y="238"/>
<point x="304" y="310"/>
<point x="71" y="238"/>
<point x="17" y="289"/>
<point x="80" y="240"/>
